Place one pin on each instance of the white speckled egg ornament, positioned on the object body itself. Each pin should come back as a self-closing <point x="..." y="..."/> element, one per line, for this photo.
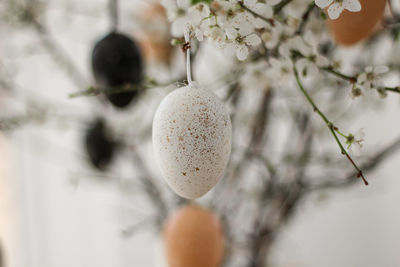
<point x="192" y="135"/>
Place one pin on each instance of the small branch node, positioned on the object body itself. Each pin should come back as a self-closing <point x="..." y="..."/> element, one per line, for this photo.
<point x="186" y="46"/>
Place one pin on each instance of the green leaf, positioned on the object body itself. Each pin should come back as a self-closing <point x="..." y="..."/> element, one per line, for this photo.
<point x="198" y="1"/>
<point x="323" y="15"/>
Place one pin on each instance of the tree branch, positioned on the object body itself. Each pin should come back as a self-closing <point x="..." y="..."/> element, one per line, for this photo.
<point x="58" y="54"/>
<point x="281" y="5"/>
<point x="330" y="125"/>
<point x="270" y="21"/>
<point x="114" y="15"/>
<point x="304" y="18"/>
<point x="368" y="166"/>
<point x="353" y="79"/>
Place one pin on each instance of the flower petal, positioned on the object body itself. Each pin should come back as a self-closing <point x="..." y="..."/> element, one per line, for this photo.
<point x="185" y="4"/>
<point x="252" y="39"/>
<point x="177" y="27"/>
<point x="335" y="10"/>
<point x="245" y="28"/>
<point x="241" y="52"/>
<point x="369" y="69"/>
<point x="381" y="69"/>
<point x="274" y="2"/>
<point x="199" y="34"/>
<point x="231" y="33"/>
<point x="264" y="10"/>
<point x="250" y="3"/>
<point x="323" y="3"/>
<point x="259" y="23"/>
<point x="168" y="3"/>
<point x="362" y="78"/>
<point x="322" y="61"/>
<point x="352" y="5"/>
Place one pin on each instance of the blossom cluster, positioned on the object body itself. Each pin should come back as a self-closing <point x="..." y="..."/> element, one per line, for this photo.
<point x="225" y="23"/>
<point x="236" y="27"/>
<point x="370" y="78"/>
<point x="260" y="29"/>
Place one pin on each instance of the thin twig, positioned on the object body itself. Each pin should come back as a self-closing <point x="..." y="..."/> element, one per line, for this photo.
<point x="114" y="15"/>
<point x="367" y="167"/>
<point x="330" y="125"/>
<point x="151" y="187"/>
<point x="281" y="5"/>
<point x="134" y="228"/>
<point x="147" y="84"/>
<point x="330" y="69"/>
<point x="304" y="18"/>
<point x="58" y="54"/>
<point x="270" y="21"/>
<point x="353" y="79"/>
<point x="393" y="89"/>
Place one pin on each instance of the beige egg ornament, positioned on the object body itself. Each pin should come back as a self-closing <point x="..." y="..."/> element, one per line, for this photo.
<point x="353" y="27"/>
<point x="193" y="237"/>
<point x="192" y="135"/>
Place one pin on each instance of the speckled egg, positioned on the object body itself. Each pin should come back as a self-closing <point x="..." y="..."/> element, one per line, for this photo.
<point x="192" y="135"/>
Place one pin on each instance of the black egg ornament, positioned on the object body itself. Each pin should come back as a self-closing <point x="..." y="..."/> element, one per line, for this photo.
<point x="117" y="65"/>
<point x="100" y="147"/>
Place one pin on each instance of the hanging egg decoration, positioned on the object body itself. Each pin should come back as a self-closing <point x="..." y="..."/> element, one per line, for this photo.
<point x="192" y="135"/>
<point x="193" y="237"/>
<point x="117" y="65"/>
<point x="156" y="39"/>
<point x="352" y="27"/>
<point x="99" y="145"/>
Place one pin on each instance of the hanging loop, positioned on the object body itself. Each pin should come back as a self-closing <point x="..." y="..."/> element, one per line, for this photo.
<point x="186" y="48"/>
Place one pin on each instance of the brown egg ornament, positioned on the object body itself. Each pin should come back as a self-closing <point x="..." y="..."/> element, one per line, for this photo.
<point x="193" y="237"/>
<point x="352" y="27"/>
<point x="155" y="39"/>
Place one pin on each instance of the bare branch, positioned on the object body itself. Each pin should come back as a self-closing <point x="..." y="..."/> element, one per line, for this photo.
<point x="330" y="125"/>
<point x="58" y="54"/>
<point x="368" y="166"/>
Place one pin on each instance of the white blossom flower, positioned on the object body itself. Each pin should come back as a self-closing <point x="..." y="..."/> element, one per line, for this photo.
<point x="336" y="7"/>
<point x="196" y="15"/>
<point x="234" y="22"/>
<point x="177" y="14"/>
<point x="215" y="34"/>
<point x="355" y="142"/>
<point x="382" y="92"/>
<point x="356" y="91"/>
<point x="239" y="44"/>
<point x="292" y="44"/>
<point x="307" y="47"/>
<point x="372" y="77"/>
<point x="186" y="17"/>
<point x="264" y="9"/>
<point x="359" y="137"/>
<point x="312" y="42"/>
<point x="272" y="35"/>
